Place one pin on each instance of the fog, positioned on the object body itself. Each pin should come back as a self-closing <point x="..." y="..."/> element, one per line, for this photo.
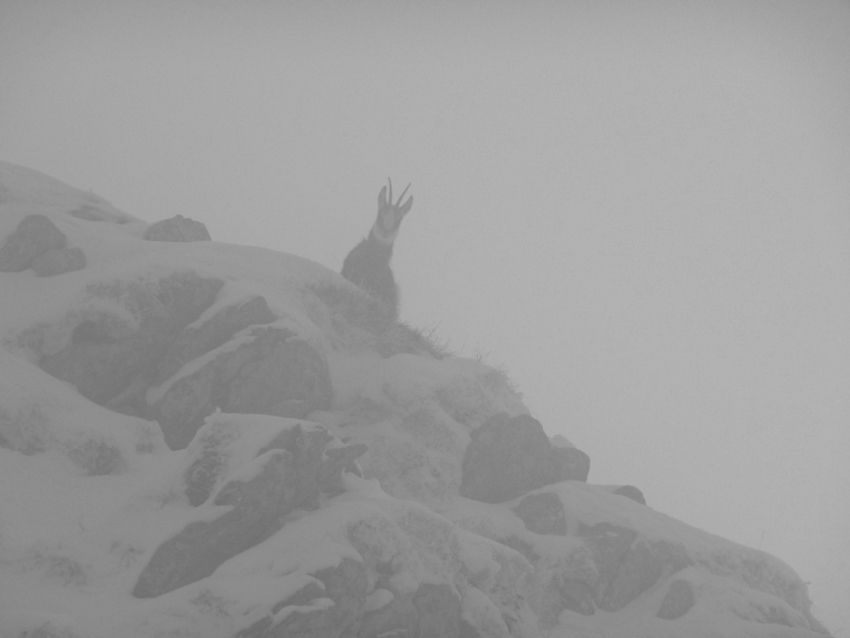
<point x="639" y="209"/>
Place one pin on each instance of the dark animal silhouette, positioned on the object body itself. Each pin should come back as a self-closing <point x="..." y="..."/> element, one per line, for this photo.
<point x="368" y="264"/>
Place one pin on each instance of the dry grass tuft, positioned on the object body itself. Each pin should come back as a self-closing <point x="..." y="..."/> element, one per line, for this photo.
<point x="357" y="319"/>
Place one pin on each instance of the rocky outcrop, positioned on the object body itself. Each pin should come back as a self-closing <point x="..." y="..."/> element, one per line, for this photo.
<point x="267" y="370"/>
<point x="508" y="456"/>
<point x="643" y="565"/>
<point x="188" y="344"/>
<point x="177" y="229"/>
<point x="273" y="373"/>
<point x="606" y="567"/>
<point x="291" y="476"/>
<point x="627" y="565"/>
<point x="608" y="545"/>
<point x="212" y="459"/>
<point x="574" y="464"/>
<point x="566" y="593"/>
<point x="345" y="586"/>
<point x="216" y="331"/>
<point x="610" y="568"/>
<point x="433" y="611"/>
<point x="630" y="491"/>
<point x="398" y="617"/>
<point x="542" y="514"/>
<point x="405" y="570"/>
<point x="678" y="601"/>
<point x="102" y="360"/>
<point x="34" y="236"/>
<point x="438" y="611"/>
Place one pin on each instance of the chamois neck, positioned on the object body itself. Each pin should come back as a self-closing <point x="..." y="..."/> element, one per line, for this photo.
<point x="381" y="236"/>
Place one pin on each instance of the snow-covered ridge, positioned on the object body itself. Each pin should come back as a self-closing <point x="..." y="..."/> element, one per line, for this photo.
<point x="202" y="439"/>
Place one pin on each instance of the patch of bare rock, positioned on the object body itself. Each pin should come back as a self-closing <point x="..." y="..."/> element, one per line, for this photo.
<point x="38" y="244"/>
<point x="179" y="229"/>
<point x="271" y="371"/>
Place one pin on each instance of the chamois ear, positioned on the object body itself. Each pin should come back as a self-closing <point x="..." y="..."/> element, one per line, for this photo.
<point x="382" y="197"/>
<point x="407" y="206"/>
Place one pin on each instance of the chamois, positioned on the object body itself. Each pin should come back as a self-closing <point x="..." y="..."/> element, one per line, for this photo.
<point x="368" y="263"/>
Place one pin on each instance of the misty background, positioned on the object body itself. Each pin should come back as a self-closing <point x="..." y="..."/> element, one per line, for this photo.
<point x="641" y="210"/>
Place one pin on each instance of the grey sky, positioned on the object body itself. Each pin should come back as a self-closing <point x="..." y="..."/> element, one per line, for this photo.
<point x="641" y="209"/>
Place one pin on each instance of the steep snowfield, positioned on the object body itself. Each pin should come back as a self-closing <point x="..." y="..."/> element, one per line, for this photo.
<point x="73" y="542"/>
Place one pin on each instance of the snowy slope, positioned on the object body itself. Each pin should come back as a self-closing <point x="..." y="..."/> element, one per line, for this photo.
<point x="73" y="541"/>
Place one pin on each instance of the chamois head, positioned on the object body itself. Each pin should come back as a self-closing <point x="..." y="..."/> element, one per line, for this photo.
<point x="390" y="215"/>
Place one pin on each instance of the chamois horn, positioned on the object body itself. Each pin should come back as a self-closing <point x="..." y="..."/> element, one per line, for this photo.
<point x="390" y="198"/>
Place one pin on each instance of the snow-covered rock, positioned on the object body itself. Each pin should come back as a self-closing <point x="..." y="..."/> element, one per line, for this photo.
<point x="507" y="457"/>
<point x="34" y="237"/>
<point x="178" y="228"/>
<point x="201" y="439"/>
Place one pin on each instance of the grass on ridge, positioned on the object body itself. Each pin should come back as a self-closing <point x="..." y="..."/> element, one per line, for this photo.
<point x="358" y="318"/>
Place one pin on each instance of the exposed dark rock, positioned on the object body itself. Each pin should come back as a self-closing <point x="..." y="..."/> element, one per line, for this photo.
<point x="468" y="631"/>
<point x="177" y="228"/>
<point x="302" y="597"/>
<point x="132" y="400"/>
<point x="432" y="612"/>
<point x="211" y="462"/>
<point x="630" y="491"/>
<point x="201" y="547"/>
<point x="563" y="592"/>
<point x="208" y="467"/>
<point x="678" y="601"/>
<point x="575" y="464"/>
<point x="627" y="567"/>
<point x="340" y="460"/>
<point x="34" y="236"/>
<point x="577" y="596"/>
<point x="100" y="371"/>
<point x="103" y="367"/>
<point x="307" y="450"/>
<point x="346" y="585"/>
<point x="641" y="568"/>
<point x="276" y="373"/>
<point x="398" y="618"/>
<point x="438" y="610"/>
<point x="508" y="456"/>
<point x="287" y="481"/>
<point x="59" y="261"/>
<point x="216" y="331"/>
<point x="542" y="513"/>
<point x="256" y="629"/>
<point x="608" y="545"/>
